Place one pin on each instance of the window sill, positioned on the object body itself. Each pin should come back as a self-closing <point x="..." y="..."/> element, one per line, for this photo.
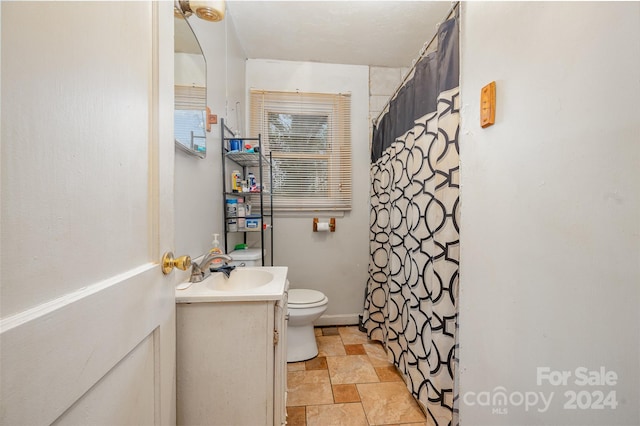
<point x="316" y="213"/>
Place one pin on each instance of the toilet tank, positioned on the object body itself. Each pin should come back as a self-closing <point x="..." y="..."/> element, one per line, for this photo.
<point x="248" y="257"/>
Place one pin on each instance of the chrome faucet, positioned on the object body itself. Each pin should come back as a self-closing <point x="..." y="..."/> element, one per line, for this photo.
<point x="201" y="271"/>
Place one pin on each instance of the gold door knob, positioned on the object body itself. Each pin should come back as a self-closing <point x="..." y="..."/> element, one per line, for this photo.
<point x="168" y="262"/>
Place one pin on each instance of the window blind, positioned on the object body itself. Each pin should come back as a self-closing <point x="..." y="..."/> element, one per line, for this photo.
<point x="309" y="138"/>
<point x="190" y="97"/>
<point x="189" y="116"/>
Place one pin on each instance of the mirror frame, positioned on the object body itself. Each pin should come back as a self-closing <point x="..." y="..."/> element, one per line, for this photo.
<point x="178" y="144"/>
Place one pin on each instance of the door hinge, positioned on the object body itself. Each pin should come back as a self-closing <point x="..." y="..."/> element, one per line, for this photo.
<point x="276" y="337"/>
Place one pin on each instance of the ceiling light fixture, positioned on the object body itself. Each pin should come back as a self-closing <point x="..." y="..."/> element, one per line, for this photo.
<point x="212" y="11"/>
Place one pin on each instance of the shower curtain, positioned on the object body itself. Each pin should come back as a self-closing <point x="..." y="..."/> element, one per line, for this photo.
<point x="412" y="290"/>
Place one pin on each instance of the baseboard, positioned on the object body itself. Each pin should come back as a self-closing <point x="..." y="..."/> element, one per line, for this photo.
<point x="347" y="319"/>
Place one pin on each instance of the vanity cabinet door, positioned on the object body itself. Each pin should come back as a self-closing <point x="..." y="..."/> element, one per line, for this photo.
<point x="280" y="363"/>
<point x="231" y="365"/>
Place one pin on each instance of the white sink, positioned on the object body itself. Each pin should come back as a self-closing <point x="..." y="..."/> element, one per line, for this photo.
<point x="240" y="279"/>
<point x="244" y="284"/>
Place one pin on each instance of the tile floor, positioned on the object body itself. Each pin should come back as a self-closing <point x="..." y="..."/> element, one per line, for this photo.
<point x="349" y="383"/>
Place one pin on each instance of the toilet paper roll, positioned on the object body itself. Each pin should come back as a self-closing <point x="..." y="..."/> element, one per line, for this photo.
<point x="323" y="227"/>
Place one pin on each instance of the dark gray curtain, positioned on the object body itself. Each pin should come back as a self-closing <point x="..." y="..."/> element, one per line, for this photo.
<point x="412" y="291"/>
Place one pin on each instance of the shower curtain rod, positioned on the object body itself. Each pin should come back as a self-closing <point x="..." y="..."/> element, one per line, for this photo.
<point x="424" y="49"/>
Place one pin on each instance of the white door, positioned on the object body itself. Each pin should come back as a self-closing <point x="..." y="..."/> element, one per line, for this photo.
<point x="87" y="318"/>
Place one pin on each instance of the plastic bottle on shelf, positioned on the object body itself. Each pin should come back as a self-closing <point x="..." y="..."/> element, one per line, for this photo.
<point x="241" y="214"/>
<point x="240" y="141"/>
<point x="232" y="208"/>
<point x="235" y="145"/>
<point x="252" y="182"/>
<point x="236" y="177"/>
<point x="232" y="214"/>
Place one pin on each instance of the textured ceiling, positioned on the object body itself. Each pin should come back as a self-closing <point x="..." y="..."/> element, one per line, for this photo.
<point x="378" y="33"/>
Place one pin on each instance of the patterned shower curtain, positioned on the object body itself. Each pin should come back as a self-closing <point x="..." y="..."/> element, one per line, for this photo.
<point x="412" y="291"/>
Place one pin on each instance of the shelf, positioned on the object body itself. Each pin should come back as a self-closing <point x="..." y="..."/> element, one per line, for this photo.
<point x="247" y="159"/>
<point x="244" y="194"/>
<point x="261" y="201"/>
<point x="241" y="139"/>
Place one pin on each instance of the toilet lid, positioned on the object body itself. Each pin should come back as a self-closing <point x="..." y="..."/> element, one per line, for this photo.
<point x="304" y="296"/>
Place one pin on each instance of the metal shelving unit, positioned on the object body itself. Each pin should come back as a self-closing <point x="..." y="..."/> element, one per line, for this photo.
<point x="264" y="197"/>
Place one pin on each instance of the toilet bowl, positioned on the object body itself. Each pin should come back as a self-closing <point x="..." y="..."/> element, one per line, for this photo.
<point x="304" y="306"/>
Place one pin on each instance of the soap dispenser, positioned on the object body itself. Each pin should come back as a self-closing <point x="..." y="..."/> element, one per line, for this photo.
<point x="215" y="245"/>
<point x="215" y="249"/>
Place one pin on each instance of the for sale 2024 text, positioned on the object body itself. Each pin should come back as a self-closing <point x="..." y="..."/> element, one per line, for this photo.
<point x="584" y="399"/>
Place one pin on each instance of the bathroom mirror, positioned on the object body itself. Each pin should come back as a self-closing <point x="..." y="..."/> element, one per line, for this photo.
<point x="190" y="111"/>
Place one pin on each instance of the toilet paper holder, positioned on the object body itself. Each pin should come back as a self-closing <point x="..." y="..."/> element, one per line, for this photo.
<point x="322" y="225"/>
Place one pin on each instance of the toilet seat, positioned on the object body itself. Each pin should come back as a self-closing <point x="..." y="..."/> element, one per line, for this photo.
<point x="305" y="298"/>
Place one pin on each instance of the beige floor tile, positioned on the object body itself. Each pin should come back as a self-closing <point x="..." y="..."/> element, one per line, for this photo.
<point x="377" y="354"/>
<point x="354" y="350"/>
<point x="295" y="366"/>
<point x="308" y="387"/>
<point x="352" y="336"/>
<point x="351" y="369"/>
<point x="388" y="374"/>
<point x="345" y="393"/>
<point x="389" y="403"/>
<point x="336" y="415"/>
<point x="296" y="416"/>
<point x="317" y="363"/>
<point x="330" y="346"/>
<point x="317" y="331"/>
<point x="330" y="331"/>
<point x="410" y="424"/>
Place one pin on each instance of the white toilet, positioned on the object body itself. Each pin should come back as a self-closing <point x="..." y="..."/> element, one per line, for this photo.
<point x="304" y="306"/>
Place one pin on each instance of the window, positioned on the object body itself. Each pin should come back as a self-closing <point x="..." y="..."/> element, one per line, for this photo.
<point x="189" y="116"/>
<point x="309" y="138"/>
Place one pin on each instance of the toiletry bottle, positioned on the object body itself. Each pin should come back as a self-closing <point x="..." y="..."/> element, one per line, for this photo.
<point x="232" y="208"/>
<point x="241" y="214"/>
<point x="216" y="250"/>
<point x="236" y="177"/>
<point x="215" y="244"/>
<point x="252" y="182"/>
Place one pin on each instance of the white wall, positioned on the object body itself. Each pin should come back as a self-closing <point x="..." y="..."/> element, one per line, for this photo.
<point x="550" y="228"/>
<point x="189" y="70"/>
<point x="198" y="185"/>
<point x="334" y="263"/>
<point x="383" y="82"/>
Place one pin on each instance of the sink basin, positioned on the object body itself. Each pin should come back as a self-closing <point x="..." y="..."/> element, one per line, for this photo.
<point x="240" y="279"/>
<point x="250" y="283"/>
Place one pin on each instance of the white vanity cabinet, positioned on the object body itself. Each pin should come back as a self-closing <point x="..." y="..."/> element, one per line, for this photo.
<point x="231" y="362"/>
